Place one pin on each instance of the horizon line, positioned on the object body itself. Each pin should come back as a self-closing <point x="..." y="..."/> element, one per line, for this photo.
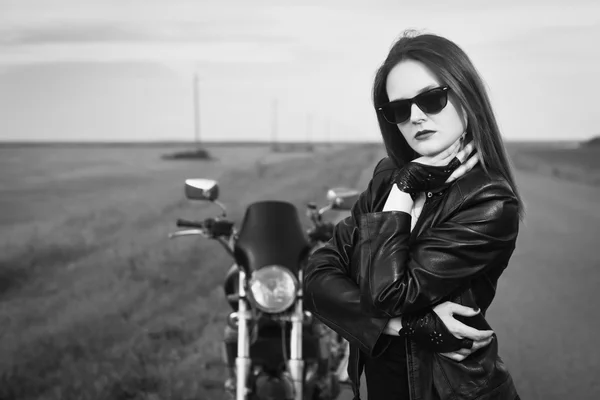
<point x="243" y="142"/>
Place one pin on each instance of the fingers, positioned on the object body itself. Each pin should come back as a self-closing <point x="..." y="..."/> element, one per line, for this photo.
<point x="460" y="329"/>
<point x="468" y="332"/>
<point x="462" y="310"/>
<point x="464" y="168"/>
<point x="446" y="312"/>
<point x="481" y="344"/>
<point x="461" y="354"/>
<point x="464" y="153"/>
<point x="455" y="151"/>
<point x="456" y="356"/>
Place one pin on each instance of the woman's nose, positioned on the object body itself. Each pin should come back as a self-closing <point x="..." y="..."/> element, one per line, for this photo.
<point x="416" y="114"/>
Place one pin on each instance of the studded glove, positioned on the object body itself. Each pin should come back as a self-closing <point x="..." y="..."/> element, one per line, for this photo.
<point x="428" y="330"/>
<point x="415" y="177"/>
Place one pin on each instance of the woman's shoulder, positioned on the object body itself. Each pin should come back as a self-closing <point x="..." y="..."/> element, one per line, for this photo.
<point x="481" y="183"/>
<point x="385" y="166"/>
<point x="382" y="174"/>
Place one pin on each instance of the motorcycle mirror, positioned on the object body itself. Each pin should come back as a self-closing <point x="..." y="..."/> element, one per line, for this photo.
<point x="342" y="198"/>
<point x="201" y="189"/>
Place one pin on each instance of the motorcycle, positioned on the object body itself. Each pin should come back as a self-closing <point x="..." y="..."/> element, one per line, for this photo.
<point x="276" y="350"/>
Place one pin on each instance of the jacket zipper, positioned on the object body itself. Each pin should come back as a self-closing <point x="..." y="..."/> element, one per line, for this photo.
<point x="356" y="372"/>
<point x="416" y="228"/>
<point x="408" y="355"/>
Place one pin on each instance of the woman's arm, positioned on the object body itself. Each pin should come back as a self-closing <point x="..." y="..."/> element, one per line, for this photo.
<point x="439" y="331"/>
<point x="479" y="235"/>
<point x="332" y="294"/>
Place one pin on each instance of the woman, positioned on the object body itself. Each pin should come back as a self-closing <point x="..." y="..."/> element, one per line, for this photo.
<point x="408" y="277"/>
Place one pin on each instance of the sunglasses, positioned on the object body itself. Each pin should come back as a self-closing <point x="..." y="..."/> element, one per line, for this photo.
<point x="431" y="102"/>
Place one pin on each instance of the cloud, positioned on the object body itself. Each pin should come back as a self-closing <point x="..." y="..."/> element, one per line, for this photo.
<point x="315" y="32"/>
<point x="230" y="52"/>
<point x="118" y="32"/>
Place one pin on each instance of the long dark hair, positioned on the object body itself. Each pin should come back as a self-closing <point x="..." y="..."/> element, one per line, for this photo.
<point x="454" y="68"/>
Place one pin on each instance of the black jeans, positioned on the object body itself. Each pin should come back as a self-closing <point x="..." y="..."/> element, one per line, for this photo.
<point x="387" y="375"/>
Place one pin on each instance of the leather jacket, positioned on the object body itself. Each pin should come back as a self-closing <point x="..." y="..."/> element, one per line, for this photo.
<point x="375" y="268"/>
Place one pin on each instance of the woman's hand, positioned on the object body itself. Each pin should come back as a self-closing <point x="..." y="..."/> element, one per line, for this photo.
<point x="445" y="311"/>
<point x="464" y="335"/>
<point x="430" y="173"/>
<point x="448" y="155"/>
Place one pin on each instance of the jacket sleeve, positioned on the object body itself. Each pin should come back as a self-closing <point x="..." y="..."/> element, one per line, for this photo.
<point x="332" y="294"/>
<point x="395" y="279"/>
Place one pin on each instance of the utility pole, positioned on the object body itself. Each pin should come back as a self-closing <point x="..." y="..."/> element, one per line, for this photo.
<point x="196" y="110"/>
<point x="274" y="121"/>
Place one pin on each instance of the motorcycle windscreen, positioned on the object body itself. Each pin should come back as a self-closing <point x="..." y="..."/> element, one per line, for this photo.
<point x="271" y="234"/>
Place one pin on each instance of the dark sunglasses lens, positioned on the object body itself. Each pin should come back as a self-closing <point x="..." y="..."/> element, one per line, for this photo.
<point x="396" y="113"/>
<point x="432" y="102"/>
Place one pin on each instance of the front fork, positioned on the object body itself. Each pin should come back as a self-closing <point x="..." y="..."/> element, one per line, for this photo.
<point x="296" y="362"/>
<point x="243" y="362"/>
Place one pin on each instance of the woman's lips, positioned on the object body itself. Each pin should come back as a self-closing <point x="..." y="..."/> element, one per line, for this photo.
<point x="424" y="134"/>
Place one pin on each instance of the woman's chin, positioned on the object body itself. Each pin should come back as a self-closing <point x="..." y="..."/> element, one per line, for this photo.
<point x="428" y="149"/>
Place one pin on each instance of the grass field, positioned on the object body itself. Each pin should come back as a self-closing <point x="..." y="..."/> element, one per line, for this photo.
<point x="97" y="303"/>
<point x="581" y="164"/>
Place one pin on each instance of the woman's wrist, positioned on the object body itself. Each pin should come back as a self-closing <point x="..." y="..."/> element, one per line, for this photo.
<point x="398" y="201"/>
<point x="393" y="327"/>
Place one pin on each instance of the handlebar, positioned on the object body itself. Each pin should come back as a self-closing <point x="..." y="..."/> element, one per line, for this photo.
<point x="213" y="227"/>
<point x="321" y="232"/>
<point x="220" y="230"/>
<point x="184" y="223"/>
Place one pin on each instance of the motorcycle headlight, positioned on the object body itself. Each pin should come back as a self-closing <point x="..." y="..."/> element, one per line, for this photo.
<point x="273" y="288"/>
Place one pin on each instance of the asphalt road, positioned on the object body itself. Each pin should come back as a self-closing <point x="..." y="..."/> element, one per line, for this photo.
<point x="545" y="312"/>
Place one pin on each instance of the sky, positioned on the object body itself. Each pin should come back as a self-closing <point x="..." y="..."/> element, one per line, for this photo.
<point x="112" y="70"/>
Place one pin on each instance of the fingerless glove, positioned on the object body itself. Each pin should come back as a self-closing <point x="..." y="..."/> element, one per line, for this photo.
<point x="428" y="330"/>
<point x="414" y="177"/>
